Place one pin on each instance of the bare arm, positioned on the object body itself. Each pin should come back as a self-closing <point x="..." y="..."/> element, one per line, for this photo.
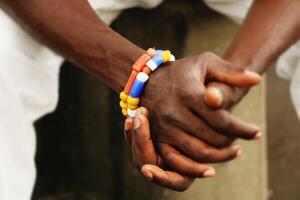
<point x="269" y="29"/>
<point x="73" y="29"/>
<point x="271" y="26"/>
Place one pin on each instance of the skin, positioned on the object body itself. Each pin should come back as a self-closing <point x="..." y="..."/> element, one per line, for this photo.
<point x="185" y="122"/>
<point x="144" y="157"/>
<point x="174" y="94"/>
<point x="265" y="41"/>
<point x="155" y="166"/>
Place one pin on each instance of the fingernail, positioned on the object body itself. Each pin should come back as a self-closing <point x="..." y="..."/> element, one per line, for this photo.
<point x="239" y="152"/>
<point x="148" y="175"/>
<point x="258" y="135"/>
<point x="137" y="122"/>
<point x="214" y="97"/>
<point x="209" y="172"/>
<point x="252" y="73"/>
<point x="218" y="94"/>
<point x="127" y="122"/>
<point x="238" y="149"/>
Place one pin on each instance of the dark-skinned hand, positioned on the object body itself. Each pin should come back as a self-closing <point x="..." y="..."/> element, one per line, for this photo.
<point x="145" y="158"/>
<point x="184" y="129"/>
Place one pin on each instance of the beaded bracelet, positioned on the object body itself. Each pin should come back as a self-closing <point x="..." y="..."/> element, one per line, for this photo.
<point x="141" y="69"/>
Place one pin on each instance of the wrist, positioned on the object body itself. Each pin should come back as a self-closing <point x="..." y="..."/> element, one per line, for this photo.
<point x="141" y="69"/>
<point x="109" y="58"/>
<point x="247" y="61"/>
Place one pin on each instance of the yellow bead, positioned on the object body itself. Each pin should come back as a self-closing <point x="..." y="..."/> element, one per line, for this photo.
<point x="166" y="56"/>
<point x="133" y="101"/>
<point x="123" y="96"/>
<point x="132" y="107"/>
<point x="124" y="112"/>
<point x="123" y="104"/>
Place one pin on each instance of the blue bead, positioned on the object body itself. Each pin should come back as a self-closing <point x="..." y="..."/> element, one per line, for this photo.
<point x="136" y="89"/>
<point x="159" y="51"/>
<point x="158" y="59"/>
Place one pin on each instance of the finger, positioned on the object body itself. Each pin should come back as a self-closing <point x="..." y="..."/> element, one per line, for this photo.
<point x="218" y="95"/>
<point x="168" y="179"/>
<point x="202" y="152"/>
<point x="224" y="72"/>
<point x="128" y="128"/>
<point x="201" y="129"/>
<point x="142" y="145"/>
<point x="183" y="164"/>
<point x="143" y="111"/>
<point x="224" y="122"/>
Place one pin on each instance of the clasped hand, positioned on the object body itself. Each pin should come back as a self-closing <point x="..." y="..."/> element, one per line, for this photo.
<point x="190" y="127"/>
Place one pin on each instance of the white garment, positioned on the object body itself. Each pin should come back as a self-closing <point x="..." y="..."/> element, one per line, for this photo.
<point x="288" y="67"/>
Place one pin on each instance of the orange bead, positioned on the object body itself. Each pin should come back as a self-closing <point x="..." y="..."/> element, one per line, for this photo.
<point x="147" y="70"/>
<point x="140" y="63"/>
<point x="130" y="82"/>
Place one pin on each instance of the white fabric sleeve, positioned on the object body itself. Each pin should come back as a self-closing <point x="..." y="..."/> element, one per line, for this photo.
<point x="234" y="9"/>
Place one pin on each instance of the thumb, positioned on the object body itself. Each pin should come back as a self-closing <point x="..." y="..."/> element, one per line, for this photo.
<point x="234" y="76"/>
<point x="142" y="145"/>
<point x="219" y="95"/>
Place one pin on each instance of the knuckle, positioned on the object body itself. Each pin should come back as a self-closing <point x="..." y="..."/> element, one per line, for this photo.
<point x="185" y="92"/>
<point x="191" y="93"/>
<point x="166" y="111"/>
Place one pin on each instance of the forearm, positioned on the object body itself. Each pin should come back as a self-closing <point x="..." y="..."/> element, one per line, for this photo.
<point x="271" y="26"/>
<point x="72" y="28"/>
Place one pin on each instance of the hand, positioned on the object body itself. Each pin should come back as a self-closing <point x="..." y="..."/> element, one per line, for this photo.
<point x="144" y="157"/>
<point x="183" y="123"/>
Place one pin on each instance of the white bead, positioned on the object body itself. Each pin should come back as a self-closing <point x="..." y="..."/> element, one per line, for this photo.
<point x="142" y="76"/>
<point x="172" y="58"/>
<point x="152" y="65"/>
<point x="131" y="113"/>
